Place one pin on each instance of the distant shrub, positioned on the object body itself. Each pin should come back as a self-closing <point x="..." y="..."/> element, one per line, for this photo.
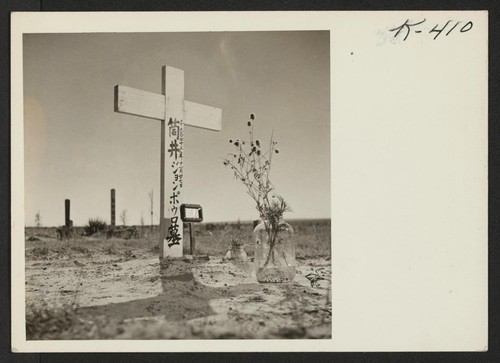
<point x="210" y="227"/>
<point x="123" y="232"/>
<point x="94" y="226"/>
<point x="64" y="232"/>
<point x="40" y="251"/>
<point x="81" y="249"/>
<point x="111" y="249"/>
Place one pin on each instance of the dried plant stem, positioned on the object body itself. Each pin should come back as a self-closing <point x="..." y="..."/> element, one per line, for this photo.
<point x="252" y="166"/>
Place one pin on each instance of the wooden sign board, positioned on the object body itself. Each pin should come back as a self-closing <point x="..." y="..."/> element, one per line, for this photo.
<point x="191" y="213"/>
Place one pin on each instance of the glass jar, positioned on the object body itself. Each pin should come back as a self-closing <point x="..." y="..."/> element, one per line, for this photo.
<point x="237" y="253"/>
<point x="274" y="257"/>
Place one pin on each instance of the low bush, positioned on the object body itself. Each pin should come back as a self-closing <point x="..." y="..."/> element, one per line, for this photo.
<point x="40" y="251"/>
<point x="111" y="249"/>
<point x="123" y="232"/>
<point x="64" y="232"/>
<point x="94" y="226"/>
<point x="81" y="249"/>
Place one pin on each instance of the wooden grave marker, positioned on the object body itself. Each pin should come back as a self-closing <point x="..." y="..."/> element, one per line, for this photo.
<point x="174" y="112"/>
<point x="113" y="209"/>
<point x="67" y="213"/>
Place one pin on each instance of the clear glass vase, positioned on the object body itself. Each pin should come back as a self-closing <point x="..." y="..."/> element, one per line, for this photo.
<point x="237" y="253"/>
<point x="274" y="252"/>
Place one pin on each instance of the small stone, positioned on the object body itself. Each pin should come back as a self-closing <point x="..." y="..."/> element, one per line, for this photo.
<point x="262" y="323"/>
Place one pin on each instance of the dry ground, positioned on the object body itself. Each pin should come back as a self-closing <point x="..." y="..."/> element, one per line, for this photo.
<point x="94" y="288"/>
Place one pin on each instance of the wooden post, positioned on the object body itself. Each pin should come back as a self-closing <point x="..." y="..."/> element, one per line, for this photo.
<point x="173" y="112"/>
<point x="192" y="239"/>
<point x="67" y="220"/>
<point x="113" y="208"/>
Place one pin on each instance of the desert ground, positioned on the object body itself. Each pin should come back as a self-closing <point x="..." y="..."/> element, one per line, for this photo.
<point x="106" y="287"/>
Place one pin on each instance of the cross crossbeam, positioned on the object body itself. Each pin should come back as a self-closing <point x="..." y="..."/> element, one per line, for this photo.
<point x="137" y="102"/>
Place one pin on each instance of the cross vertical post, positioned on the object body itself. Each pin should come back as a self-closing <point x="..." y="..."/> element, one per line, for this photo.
<point x="172" y="134"/>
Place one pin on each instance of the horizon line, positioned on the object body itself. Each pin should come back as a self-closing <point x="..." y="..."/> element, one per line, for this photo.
<point x="204" y="222"/>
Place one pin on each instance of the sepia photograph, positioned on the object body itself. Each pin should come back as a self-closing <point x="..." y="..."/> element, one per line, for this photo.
<point x="177" y="185"/>
<point x="249" y="181"/>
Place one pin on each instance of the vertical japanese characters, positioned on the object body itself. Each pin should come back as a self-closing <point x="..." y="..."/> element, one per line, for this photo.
<point x="175" y="154"/>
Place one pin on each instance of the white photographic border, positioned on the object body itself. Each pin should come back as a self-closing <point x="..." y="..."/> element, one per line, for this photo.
<point x="441" y="301"/>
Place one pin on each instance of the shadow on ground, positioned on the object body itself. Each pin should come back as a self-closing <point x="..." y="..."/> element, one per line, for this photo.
<point x="183" y="298"/>
<point x="199" y="299"/>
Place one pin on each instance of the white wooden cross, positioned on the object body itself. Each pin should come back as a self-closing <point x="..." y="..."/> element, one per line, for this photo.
<point x="173" y="112"/>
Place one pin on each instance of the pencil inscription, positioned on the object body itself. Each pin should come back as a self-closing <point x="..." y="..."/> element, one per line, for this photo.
<point x="417" y="27"/>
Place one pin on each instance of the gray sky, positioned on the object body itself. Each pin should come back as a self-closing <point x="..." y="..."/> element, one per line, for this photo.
<point x="77" y="147"/>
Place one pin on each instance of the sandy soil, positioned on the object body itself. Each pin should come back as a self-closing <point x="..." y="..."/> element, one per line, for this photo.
<point x="138" y="298"/>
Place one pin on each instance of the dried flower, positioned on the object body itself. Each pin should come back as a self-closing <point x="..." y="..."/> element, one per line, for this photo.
<point x="252" y="168"/>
